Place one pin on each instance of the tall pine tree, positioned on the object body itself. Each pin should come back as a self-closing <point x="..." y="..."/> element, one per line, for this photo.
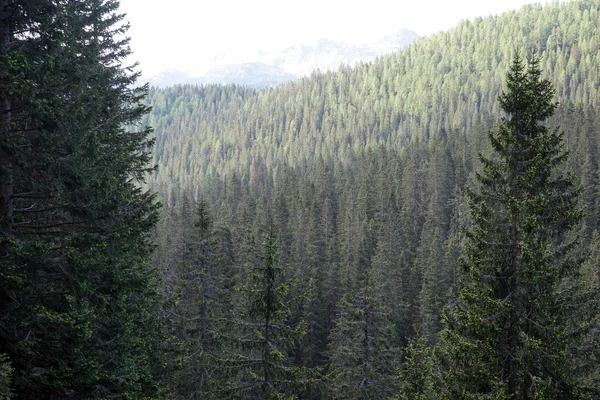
<point x="511" y="333"/>
<point x="78" y="300"/>
<point x="361" y="347"/>
<point x="255" y="358"/>
<point x="200" y="277"/>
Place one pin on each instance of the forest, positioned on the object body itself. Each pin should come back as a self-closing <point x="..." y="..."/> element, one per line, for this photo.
<point x="424" y="226"/>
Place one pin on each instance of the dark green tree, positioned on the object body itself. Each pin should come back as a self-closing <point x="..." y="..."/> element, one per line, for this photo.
<point x="315" y="315"/>
<point x="79" y="303"/>
<point x="256" y="356"/>
<point x="418" y="373"/>
<point x="5" y="376"/>
<point x="361" y="348"/>
<point x="590" y="278"/>
<point x="434" y="285"/>
<point x="197" y="316"/>
<point x="510" y="334"/>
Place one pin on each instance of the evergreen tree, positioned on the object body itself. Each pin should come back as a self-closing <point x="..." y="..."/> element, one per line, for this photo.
<point x="434" y="286"/>
<point x="509" y="335"/>
<point x="417" y="375"/>
<point x="257" y="349"/>
<point x="390" y="268"/>
<point x="5" y="376"/>
<point x="79" y="303"/>
<point x="197" y="316"/>
<point x="589" y="366"/>
<point x="315" y="315"/>
<point x="361" y="347"/>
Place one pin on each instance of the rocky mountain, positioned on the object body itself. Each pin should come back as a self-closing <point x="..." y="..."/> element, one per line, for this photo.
<point x="260" y="69"/>
<point x="252" y="74"/>
<point x="167" y="77"/>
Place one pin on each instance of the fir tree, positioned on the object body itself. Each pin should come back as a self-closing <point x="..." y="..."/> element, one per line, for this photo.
<point x="79" y="304"/>
<point x="417" y="374"/>
<point x="361" y="347"/>
<point x="255" y="360"/>
<point x="509" y="335"/>
<point x="199" y="310"/>
<point x="5" y="376"/>
<point x="434" y="287"/>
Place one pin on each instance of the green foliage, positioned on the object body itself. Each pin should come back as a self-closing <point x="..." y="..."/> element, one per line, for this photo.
<point x="271" y="339"/>
<point x="79" y="302"/>
<point x="511" y="333"/>
<point x="6" y="372"/>
<point x="447" y="81"/>
<point x="366" y="168"/>
<point x="419" y="373"/>
<point x="201" y="303"/>
<point x="249" y="352"/>
<point x="361" y="347"/>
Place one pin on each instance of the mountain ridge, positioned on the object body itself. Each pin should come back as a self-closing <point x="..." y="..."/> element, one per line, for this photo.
<point x="261" y="69"/>
<point x="445" y="82"/>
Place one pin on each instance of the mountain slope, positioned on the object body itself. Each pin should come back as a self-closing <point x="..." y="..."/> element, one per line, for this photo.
<point x="362" y="174"/>
<point x="448" y="81"/>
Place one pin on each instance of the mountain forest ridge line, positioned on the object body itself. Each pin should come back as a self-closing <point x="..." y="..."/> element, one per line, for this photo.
<point x="364" y="174"/>
<point x="260" y="69"/>
<point x="448" y="81"/>
<point x="422" y="226"/>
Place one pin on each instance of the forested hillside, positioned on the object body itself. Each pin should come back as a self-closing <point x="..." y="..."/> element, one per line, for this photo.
<point x="449" y="81"/>
<point x="338" y="204"/>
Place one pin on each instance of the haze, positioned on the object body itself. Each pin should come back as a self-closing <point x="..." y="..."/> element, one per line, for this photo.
<point x="188" y="35"/>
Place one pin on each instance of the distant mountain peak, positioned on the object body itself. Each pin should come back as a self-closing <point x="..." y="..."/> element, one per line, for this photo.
<point x="260" y="69"/>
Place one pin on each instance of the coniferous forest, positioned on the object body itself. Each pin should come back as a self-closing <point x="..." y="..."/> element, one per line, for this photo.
<point x="424" y="226"/>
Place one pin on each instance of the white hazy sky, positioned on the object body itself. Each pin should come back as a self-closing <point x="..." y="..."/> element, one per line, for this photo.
<point x="187" y="34"/>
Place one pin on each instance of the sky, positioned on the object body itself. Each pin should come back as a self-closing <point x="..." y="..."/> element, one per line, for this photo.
<point x="188" y="34"/>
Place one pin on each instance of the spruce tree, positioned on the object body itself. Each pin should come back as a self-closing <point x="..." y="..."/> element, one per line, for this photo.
<point x="79" y="312"/>
<point x="509" y="334"/>
<point x="255" y="358"/>
<point x="5" y="376"/>
<point x="433" y="286"/>
<point x="418" y="372"/>
<point x="361" y="346"/>
<point x="199" y="309"/>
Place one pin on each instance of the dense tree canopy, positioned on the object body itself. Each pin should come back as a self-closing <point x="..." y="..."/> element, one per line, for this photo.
<point x="78" y="299"/>
<point x="513" y="332"/>
<point x="448" y="81"/>
<point x="364" y="172"/>
<point x="363" y="180"/>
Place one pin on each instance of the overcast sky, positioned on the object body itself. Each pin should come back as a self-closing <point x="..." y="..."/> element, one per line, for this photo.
<point x="187" y="34"/>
